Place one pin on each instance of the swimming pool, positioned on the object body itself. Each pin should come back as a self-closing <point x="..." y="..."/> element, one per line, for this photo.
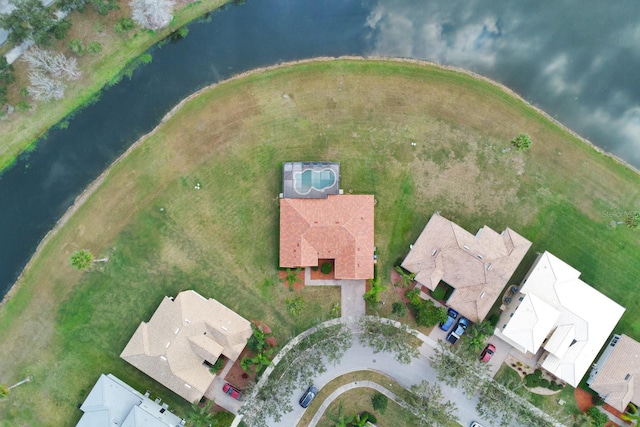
<point x="309" y="179"/>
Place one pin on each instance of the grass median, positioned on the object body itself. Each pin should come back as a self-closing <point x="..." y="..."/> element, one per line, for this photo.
<point x="195" y="206"/>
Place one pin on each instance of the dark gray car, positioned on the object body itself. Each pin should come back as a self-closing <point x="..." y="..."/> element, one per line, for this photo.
<point x="308" y="396"/>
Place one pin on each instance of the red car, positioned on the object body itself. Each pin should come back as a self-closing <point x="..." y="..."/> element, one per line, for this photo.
<point x="487" y="352"/>
<point x="230" y="390"/>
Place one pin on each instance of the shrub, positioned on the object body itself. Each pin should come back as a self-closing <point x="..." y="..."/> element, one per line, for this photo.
<point x="555" y="386"/>
<point x="532" y="380"/>
<point x="326" y="268"/>
<point x="124" y="25"/>
<point x="399" y="309"/>
<point x="413" y="296"/>
<point x="23" y="106"/>
<point x="94" y="48"/>
<point x="544" y="383"/>
<point x="217" y="367"/>
<point x="599" y="419"/>
<point x="379" y="402"/>
<point x="224" y="418"/>
<point x="76" y="46"/>
<point x="439" y="293"/>
<point x="3" y="95"/>
<point x="61" y="29"/>
<point x="370" y="417"/>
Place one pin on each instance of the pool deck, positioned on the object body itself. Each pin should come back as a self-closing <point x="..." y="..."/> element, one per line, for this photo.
<point x="291" y="169"/>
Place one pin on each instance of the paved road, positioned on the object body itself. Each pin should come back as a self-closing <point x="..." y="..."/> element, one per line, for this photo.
<point x="359" y="357"/>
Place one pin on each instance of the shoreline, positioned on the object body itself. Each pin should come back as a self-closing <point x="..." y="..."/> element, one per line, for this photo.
<point x="96" y="183"/>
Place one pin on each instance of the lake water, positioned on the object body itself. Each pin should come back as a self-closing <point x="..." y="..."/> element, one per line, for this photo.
<point x="579" y="61"/>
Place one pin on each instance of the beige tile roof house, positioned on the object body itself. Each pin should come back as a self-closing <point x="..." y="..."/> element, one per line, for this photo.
<point x="477" y="267"/>
<point x="560" y="315"/>
<point x="616" y="374"/>
<point x="182" y="334"/>
<point x="339" y="227"/>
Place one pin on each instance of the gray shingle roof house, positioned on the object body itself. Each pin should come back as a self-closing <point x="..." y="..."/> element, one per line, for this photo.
<point x="113" y="403"/>
<point x="183" y="337"/>
<point x="477" y="267"/>
<point x="616" y="374"/>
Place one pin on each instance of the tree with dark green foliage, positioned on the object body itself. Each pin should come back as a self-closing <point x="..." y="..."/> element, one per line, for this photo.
<point x="425" y="311"/>
<point x="521" y="142"/>
<point x="31" y="20"/>
<point x="6" y="71"/>
<point x="399" y="309"/>
<point x="475" y="338"/>
<point x="201" y="416"/>
<point x="379" y="402"/>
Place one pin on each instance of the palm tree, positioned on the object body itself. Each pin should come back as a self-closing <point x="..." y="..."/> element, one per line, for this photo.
<point x="340" y="420"/>
<point x="360" y="420"/>
<point x="292" y="277"/>
<point x="5" y="391"/>
<point x="407" y="278"/>
<point x="631" y="414"/>
<point x="632" y="219"/>
<point x="201" y="417"/>
<point x="82" y="259"/>
<point x="257" y="343"/>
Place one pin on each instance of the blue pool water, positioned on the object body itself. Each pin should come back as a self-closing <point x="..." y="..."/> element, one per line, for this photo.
<point x="309" y="179"/>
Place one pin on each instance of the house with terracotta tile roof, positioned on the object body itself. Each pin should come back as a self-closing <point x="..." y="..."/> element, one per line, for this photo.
<point x="558" y="319"/>
<point x="616" y="374"/>
<point x="339" y="227"/>
<point x="477" y="267"/>
<point x="183" y="339"/>
<point x="318" y="222"/>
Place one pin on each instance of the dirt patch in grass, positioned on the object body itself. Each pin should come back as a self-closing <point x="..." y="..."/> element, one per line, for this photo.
<point x="162" y="235"/>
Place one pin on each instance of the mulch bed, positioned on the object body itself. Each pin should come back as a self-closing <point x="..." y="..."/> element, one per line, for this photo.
<point x="318" y="275"/>
<point x="236" y="375"/>
<point x="297" y="285"/>
<point x="584" y="399"/>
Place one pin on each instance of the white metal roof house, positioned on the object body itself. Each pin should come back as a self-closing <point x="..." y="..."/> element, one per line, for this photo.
<point x="112" y="402"/>
<point x="557" y="312"/>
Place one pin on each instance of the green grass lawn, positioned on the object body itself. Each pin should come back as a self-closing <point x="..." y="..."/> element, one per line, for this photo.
<point x="358" y="400"/>
<point x="163" y="235"/>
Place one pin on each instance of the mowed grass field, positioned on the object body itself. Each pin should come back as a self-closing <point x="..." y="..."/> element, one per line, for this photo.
<point x="162" y="235"/>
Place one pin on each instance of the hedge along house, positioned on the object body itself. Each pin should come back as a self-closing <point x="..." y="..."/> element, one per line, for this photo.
<point x="558" y="320"/>
<point x="183" y="339"/>
<point x="616" y="374"/>
<point x="318" y="222"/>
<point x="476" y="267"/>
